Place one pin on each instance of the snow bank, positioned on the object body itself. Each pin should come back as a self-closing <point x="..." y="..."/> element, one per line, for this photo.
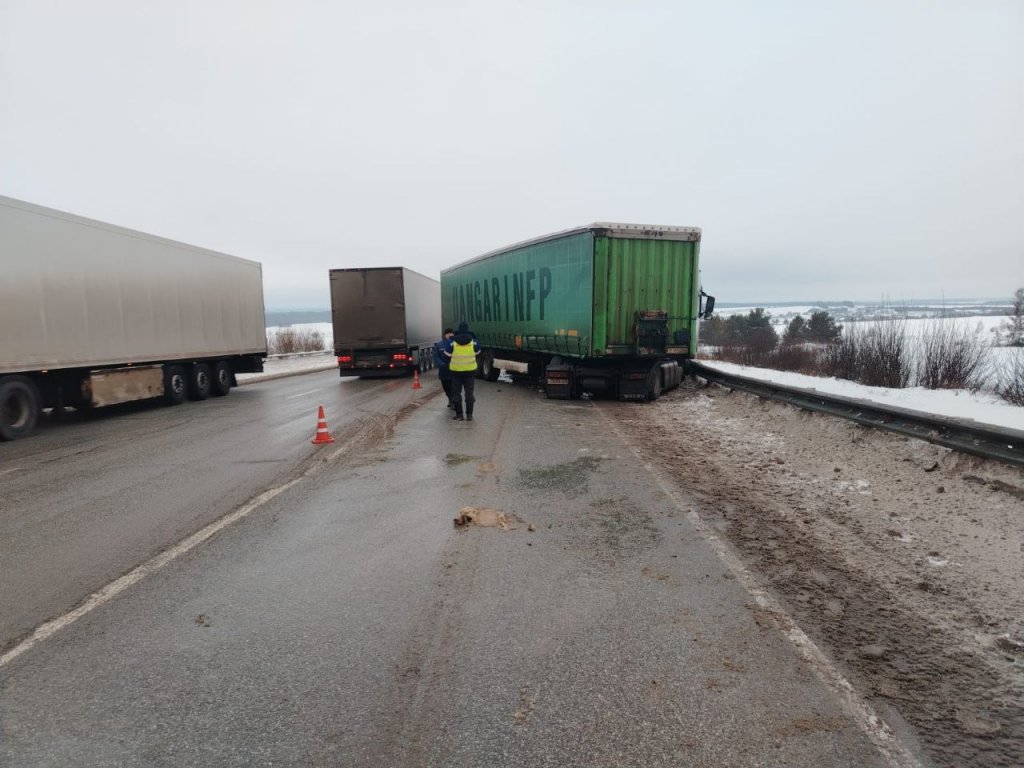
<point x="981" y="407"/>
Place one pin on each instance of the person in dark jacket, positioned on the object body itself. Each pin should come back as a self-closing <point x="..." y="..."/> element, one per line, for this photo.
<point x="462" y="352"/>
<point x="441" y="363"/>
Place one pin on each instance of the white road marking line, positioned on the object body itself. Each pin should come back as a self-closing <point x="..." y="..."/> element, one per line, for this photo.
<point x="874" y="727"/>
<point x="8" y="471"/>
<point x="303" y="394"/>
<point x="113" y="589"/>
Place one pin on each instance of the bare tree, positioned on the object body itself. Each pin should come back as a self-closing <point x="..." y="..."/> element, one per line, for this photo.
<point x="1012" y="329"/>
<point x="877" y="355"/>
<point x="951" y="356"/>
<point x="1011" y="377"/>
<point x="287" y="340"/>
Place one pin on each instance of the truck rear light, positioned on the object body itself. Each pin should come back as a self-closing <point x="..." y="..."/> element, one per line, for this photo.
<point x="399" y="356"/>
<point x="344" y="359"/>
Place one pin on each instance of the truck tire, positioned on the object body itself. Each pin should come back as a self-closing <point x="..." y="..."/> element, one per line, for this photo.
<point x="200" y="381"/>
<point x="19" y="407"/>
<point x="654" y="384"/>
<point x="487" y="370"/>
<point x="221" y="379"/>
<point x="175" y="384"/>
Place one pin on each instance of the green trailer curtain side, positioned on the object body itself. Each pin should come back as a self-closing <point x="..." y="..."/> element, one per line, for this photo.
<point x="577" y="295"/>
<point x="535" y="298"/>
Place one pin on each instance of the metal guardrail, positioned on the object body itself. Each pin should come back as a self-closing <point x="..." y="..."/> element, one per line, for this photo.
<point x="286" y="355"/>
<point x="989" y="442"/>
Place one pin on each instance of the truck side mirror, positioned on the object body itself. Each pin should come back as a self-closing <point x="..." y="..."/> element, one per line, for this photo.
<point x="709" y="305"/>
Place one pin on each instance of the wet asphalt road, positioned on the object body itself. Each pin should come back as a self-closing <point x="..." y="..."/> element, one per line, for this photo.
<point x="348" y="623"/>
<point x="85" y="500"/>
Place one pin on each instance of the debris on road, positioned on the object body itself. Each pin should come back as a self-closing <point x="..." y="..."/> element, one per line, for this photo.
<point x="484" y="517"/>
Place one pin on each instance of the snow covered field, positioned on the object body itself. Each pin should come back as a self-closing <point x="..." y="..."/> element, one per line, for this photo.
<point x="983" y="317"/>
<point x="972" y="317"/>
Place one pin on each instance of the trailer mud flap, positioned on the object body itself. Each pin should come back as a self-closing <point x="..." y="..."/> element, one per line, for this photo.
<point x="558" y="380"/>
<point x="633" y="385"/>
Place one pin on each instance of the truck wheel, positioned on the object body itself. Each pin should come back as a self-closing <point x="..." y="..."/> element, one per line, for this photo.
<point x="19" y="407"/>
<point x="175" y="384"/>
<point x="487" y="370"/>
<point x="654" y="384"/>
<point x="200" y="381"/>
<point x="221" y="379"/>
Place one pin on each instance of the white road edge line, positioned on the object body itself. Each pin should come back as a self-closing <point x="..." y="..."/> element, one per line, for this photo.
<point x="876" y="729"/>
<point x="107" y="593"/>
<point x="113" y="589"/>
<point x="302" y="394"/>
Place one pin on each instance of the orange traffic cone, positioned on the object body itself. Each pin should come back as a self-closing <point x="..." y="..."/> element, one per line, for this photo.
<point x="416" y="379"/>
<point x="322" y="435"/>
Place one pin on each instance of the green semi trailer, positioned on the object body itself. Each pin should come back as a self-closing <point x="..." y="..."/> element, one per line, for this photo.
<point x="609" y="309"/>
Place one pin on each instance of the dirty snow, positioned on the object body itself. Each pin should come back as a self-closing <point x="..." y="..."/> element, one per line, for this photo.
<point x="904" y="560"/>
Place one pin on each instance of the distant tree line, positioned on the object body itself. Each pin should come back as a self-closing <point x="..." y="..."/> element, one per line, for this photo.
<point x="751" y="338"/>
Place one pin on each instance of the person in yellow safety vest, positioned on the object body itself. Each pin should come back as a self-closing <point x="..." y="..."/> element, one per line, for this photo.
<point x="463" y="350"/>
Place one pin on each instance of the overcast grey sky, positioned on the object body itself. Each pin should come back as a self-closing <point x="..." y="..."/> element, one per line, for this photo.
<point x="829" y="150"/>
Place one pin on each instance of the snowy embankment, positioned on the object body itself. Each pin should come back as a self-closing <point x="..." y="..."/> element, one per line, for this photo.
<point x="981" y="407"/>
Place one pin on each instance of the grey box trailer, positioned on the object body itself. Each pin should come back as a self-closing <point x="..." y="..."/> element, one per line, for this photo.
<point x="386" y="320"/>
<point x="92" y="314"/>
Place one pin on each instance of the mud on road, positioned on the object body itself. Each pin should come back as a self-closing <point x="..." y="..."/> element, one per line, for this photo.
<point x="904" y="561"/>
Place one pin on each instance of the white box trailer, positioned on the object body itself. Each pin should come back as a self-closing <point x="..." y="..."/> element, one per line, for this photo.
<point x="92" y="314"/>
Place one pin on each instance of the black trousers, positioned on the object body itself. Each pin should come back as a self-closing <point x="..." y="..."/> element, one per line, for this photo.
<point x="446" y="385"/>
<point x="463" y="380"/>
